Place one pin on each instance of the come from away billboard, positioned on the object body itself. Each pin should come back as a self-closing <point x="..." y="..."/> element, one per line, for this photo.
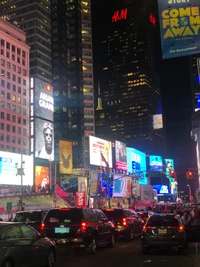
<point x="179" y="27"/>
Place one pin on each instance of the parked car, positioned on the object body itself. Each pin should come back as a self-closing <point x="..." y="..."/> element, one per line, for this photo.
<point x="33" y="218"/>
<point x="164" y="231"/>
<point x="85" y="227"/>
<point x="127" y="223"/>
<point x="23" y="246"/>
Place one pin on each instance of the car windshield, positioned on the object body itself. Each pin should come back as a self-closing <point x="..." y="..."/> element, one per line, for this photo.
<point x="28" y="216"/>
<point x="163" y="221"/>
<point x="68" y="215"/>
<point x="113" y="214"/>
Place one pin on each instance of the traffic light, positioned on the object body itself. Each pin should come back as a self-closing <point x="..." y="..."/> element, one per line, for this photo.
<point x="189" y="175"/>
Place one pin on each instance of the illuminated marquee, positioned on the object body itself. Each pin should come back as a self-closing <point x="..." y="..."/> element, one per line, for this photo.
<point x="181" y="22"/>
<point x="46" y="101"/>
<point x="120" y="15"/>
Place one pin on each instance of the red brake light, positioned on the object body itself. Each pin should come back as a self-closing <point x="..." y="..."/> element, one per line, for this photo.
<point x="64" y="209"/>
<point x="181" y="228"/>
<point x="145" y="228"/>
<point x="124" y="222"/>
<point x="83" y="226"/>
<point x="42" y="226"/>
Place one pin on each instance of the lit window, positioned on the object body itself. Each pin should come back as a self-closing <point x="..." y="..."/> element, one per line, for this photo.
<point x="13" y="98"/>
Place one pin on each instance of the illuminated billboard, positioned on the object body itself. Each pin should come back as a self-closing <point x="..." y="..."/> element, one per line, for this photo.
<point x="44" y="101"/>
<point x="179" y="27"/>
<point x="119" y="186"/>
<point x="44" y="139"/>
<point x="161" y="189"/>
<point x="136" y="163"/>
<point x="65" y="150"/>
<point x="157" y="121"/>
<point x="156" y="163"/>
<point x="120" y="154"/>
<point x="42" y="179"/>
<point x="8" y="171"/>
<point x="100" y="152"/>
<point x="169" y="167"/>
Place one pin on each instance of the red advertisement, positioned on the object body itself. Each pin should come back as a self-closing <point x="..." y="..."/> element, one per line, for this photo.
<point x="80" y="200"/>
<point x="120" y="153"/>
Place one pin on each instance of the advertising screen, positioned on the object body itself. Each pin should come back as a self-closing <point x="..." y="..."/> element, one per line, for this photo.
<point x="169" y="167"/>
<point x="157" y="121"/>
<point x="42" y="179"/>
<point x="162" y="189"/>
<point x="65" y="150"/>
<point x="44" y="102"/>
<point x="156" y="164"/>
<point x="8" y="169"/>
<point x="100" y="152"/>
<point x="120" y="153"/>
<point x="44" y="139"/>
<point x="136" y="162"/>
<point x="119" y="186"/>
<point x="179" y="27"/>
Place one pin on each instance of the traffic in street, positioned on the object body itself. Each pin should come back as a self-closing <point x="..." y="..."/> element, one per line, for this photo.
<point x="128" y="254"/>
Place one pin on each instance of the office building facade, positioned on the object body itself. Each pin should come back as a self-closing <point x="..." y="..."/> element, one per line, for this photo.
<point x="14" y="89"/>
<point x="130" y="86"/>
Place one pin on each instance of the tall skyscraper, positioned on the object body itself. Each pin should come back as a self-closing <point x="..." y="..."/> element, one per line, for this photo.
<point x="14" y="89"/>
<point x="73" y="76"/>
<point x="130" y="86"/>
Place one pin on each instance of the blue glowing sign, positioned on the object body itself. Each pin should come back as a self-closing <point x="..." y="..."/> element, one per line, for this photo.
<point x="161" y="189"/>
<point x="156" y="163"/>
<point x="136" y="161"/>
<point x="198" y="101"/>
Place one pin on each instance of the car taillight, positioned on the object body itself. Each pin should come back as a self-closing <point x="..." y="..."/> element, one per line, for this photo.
<point x="145" y="228"/>
<point x="124" y="222"/>
<point x="181" y="228"/>
<point x="83" y="226"/>
<point x="42" y="227"/>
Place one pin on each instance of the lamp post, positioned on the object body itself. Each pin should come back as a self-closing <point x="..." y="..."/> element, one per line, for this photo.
<point x="189" y="188"/>
<point x="20" y="171"/>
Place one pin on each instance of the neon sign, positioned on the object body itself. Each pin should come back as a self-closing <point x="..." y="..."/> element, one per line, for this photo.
<point x="152" y="19"/>
<point x="120" y="15"/>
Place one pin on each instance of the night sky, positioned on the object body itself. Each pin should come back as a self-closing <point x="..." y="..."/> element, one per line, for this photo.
<point x="176" y="96"/>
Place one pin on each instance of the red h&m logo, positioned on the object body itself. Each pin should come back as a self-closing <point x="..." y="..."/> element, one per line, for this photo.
<point x="152" y="19"/>
<point x="120" y="15"/>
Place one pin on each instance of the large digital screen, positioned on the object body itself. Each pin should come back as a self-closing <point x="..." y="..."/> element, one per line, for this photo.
<point x="65" y="150"/>
<point x="42" y="179"/>
<point x="179" y="27"/>
<point x="157" y="121"/>
<point x="9" y="162"/>
<point x="100" y="152"/>
<point x="119" y="186"/>
<point x="156" y="163"/>
<point x="120" y="154"/>
<point x="169" y="167"/>
<point x="136" y="162"/>
<point x="162" y="189"/>
<point x="44" y="139"/>
<point x="44" y="101"/>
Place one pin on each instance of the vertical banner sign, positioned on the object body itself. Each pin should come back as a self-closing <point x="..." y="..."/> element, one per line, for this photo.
<point x="65" y="149"/>
<point x="80" y="200"/>
<point x="179" y="27"/>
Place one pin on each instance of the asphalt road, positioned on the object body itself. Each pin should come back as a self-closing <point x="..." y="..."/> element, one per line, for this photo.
<point x="128" y="254"/>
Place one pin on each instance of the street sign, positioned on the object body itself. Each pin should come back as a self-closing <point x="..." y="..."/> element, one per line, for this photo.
<point x="9" y="206"/>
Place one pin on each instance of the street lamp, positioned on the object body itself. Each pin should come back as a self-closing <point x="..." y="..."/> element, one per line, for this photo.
<point x="189" y="188"/>
<point x="20" y="171"/>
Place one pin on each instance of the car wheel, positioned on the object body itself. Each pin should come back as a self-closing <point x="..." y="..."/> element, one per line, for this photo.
<point x="51" y="258"/>
<point x="131" y="235"/>
<point x="92" y="247"/>
<point x="7" y="263"/>
<point x="145" y="250"/>
<point x="112" y="241"/>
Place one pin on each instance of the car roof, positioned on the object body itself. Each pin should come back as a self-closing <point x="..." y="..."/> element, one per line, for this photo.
<point x="29" y="211"/>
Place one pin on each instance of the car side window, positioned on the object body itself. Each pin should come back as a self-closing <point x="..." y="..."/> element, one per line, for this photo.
<point x="13" y="233"/>
<point x="89" y="216"/>
<point x="102" y="216"/>
<point x="28" y="232"/>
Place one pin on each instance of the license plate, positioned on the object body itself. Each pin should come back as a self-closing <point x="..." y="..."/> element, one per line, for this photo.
<point x="61" y="230"/>
<point x="162" y="231"/>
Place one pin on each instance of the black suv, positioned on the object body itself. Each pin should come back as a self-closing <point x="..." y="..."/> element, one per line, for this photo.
<point x="33" y="218"/>
<point x="127" y="223"/>
<point x="85" y="227"/>
<point x="164" y="231"/>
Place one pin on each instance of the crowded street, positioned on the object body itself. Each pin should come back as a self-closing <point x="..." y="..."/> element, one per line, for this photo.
<point x="128" y="254"/>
